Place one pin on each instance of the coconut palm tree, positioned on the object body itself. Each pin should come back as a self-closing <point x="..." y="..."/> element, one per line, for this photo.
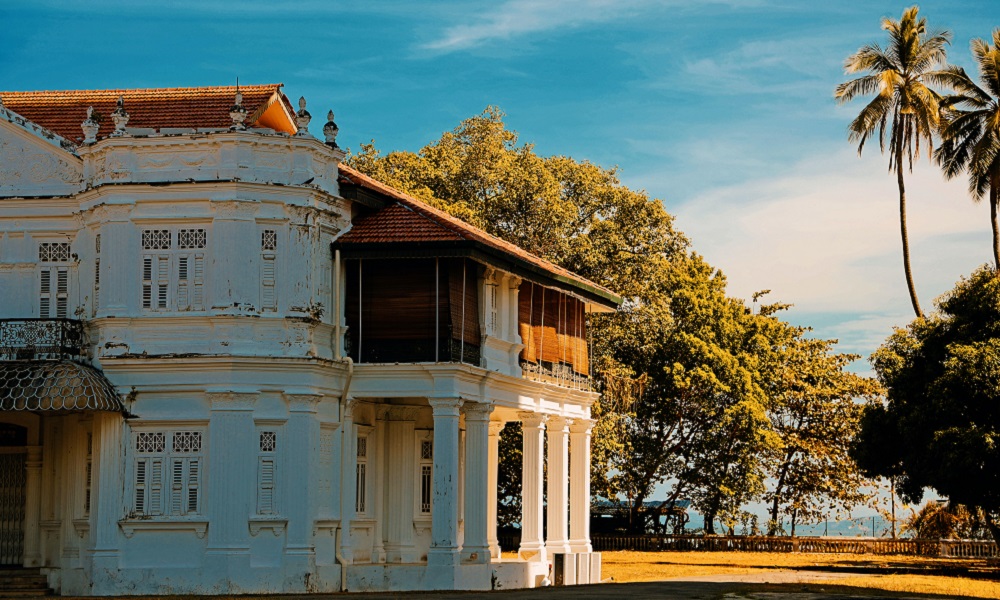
<point x="970" y="138"/>
<point x="904" y="111"/>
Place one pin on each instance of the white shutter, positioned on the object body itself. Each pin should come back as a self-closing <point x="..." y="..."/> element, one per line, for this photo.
<point x="193" y="478"/>
<point x="147" y="281"/>
<point x="140" y="486"/>
<point x="198" y="282"/>
<point x="177" y="487"/>
<point x="62" y="292"/>
<point x="155" y="486"/>
<point x="267" y="283"/>
<point x="265" y="485"/>
<point x="162" y="279"/>
<point x="45" y="293"/>
<point x="182" y="282"/>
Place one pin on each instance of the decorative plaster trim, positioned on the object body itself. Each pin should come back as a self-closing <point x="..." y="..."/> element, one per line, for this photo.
<point x="277" y="525"/>
<point x="130" y="526"/>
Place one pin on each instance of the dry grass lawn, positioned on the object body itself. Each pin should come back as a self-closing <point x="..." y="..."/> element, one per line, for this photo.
<point x="916" y="575"/>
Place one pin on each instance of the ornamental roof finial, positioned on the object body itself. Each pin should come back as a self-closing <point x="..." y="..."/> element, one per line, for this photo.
<point x="302" y="118"/>
<point x="90" y="127"/>
<point x="330" y="131"/>
<point x="120" y="118"/>
<point x="237" y="113"/>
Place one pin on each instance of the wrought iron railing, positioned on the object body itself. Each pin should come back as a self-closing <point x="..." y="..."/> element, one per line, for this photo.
<point x="559" y="374"/>
<point x="41" y="339"/>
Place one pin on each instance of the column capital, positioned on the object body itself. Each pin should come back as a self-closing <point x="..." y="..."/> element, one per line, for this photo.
<point x="477" y="411"/>
<point x="581" y="426"/>
<point x="557" y="423"/>
<point x="532" y="419"/>
<point x="496" y="427"/>
<point x="445" y="407"/>
<point x="232" y="401"/>
<point x="302" y="402"/>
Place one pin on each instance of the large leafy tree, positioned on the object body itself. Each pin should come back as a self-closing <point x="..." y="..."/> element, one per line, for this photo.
<point x="970" y="135"/>
<point x="816" y="414"/>
<point x="687" y="374"/>
<point x="940" y="424"/>
<point x="904" y="111"/>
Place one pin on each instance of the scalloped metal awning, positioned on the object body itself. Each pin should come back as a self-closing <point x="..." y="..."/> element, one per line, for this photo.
<point x="55" y="386"/>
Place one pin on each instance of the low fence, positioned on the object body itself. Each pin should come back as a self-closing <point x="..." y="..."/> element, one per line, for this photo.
<point x="826" y="545"/>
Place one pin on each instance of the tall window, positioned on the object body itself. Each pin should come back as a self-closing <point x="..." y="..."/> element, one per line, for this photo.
<point x="53" y="280"/>
<point x="268" y="258"/>
<point x="426" y="476"/>
<point x="266" y="467"/>
<point x="173" y="269"/>
<point x="88" y="473"/>
<point x="167" y="477"/>
<point x="361" y="476"/>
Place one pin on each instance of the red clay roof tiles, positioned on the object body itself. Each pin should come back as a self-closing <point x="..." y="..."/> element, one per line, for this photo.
<point x="199" y="107"/>
<point x="413" y="221"/>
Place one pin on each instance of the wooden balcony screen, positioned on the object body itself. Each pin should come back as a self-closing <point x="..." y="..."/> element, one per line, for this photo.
<point x="553" y="327"/>
<point x="400" y="302"/>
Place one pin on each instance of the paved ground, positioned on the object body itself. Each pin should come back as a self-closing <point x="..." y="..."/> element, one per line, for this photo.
<point x="775" y="585"/>
<point x="778" y="585"/>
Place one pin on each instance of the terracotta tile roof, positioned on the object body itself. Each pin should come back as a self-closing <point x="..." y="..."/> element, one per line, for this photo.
<point x="413" y="221"/>
<point x="63" y="111"/>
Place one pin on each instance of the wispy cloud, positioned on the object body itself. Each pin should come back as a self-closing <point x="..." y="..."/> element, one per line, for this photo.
<point x="518" y="17"/>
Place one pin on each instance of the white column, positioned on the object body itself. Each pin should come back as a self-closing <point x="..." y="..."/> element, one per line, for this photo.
<point x="348" y="481"/>
<point x="444" y="511"/>
<point x="376" y="443"/>
<point x="579" y="492"/>
<point x="32" y="504"/>
<point x="119" y="242"/>
<point x="533" y="428"/>
<point x="557" y="538"/>
<point x="107" y="500"/>
<point x="477" y="467"/>
<point x="491" y="489"/>
<point x="398" y="506"/>
<point x="301" y="440"/>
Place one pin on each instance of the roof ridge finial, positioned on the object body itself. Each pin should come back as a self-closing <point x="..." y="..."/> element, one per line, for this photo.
<point x="90" y="127"/>
<point x="120" y="118"/>
<point x="302" y="118"/>
<point x="236" y="112"/>
<point x="330" y="131"/>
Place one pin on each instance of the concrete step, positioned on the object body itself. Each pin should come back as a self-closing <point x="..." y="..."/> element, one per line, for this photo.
<point x="23" y="583"/>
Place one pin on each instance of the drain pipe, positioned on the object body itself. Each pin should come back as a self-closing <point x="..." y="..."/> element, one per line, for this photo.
<point x="343" y="538"/>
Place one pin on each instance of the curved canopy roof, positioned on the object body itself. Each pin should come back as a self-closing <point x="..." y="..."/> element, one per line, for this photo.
<point x="55" y="386"/>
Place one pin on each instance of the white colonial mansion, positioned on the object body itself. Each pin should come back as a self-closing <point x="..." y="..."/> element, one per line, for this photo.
<point x="231" y="364"/>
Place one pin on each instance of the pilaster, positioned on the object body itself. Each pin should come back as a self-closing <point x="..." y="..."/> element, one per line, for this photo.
<point x="302" y="443"/>
<point x="230" y="499"/>
<point x="32" y="505"/>
<point x="108" y="488"/>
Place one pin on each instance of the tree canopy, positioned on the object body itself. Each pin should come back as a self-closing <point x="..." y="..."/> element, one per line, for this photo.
<point x="939" y="426"/>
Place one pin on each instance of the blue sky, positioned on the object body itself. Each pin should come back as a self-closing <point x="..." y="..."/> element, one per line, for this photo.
<point x="722" y="109"/>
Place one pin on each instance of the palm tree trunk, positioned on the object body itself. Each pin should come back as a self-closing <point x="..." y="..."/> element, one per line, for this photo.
<point x="994" y="198"/>
<point x="902" y="229"/>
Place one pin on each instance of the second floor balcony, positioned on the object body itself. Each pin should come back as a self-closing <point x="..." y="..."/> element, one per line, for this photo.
<point x="41" y="339"/>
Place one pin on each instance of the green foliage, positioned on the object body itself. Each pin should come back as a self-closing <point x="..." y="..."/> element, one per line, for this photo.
<point x="970" y="132"/>
<point x="905" y="110"/>
<point x="940" y="520"/>
<point x="690" y="378"/>
<point x="940" y="424"/>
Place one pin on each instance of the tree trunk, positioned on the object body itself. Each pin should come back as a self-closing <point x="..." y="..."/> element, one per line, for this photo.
<point x="994" y="198"/>
<point x="902" y="229"/>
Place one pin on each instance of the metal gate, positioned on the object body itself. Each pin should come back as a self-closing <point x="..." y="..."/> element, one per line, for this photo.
<point x="12" y="506"/>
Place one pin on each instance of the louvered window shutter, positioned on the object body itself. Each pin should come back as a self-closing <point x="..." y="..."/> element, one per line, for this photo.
<point x="265" y="485"/>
